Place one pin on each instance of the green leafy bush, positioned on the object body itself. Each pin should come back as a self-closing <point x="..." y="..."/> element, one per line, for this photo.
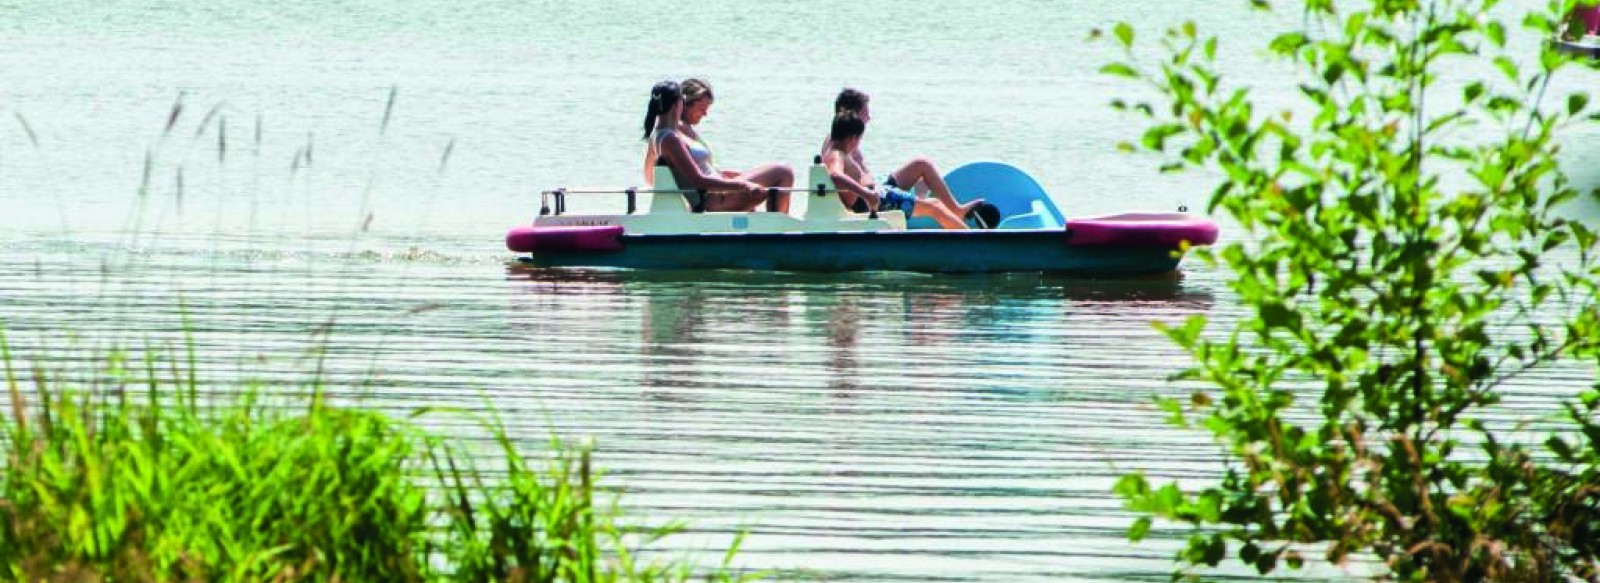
<point x="1405" y="261"/>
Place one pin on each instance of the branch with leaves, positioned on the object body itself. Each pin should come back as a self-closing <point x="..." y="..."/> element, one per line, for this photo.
<point x="1388" y="310"/>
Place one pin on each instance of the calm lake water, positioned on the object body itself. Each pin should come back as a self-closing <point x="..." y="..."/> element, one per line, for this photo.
<point x="873" y="427"/>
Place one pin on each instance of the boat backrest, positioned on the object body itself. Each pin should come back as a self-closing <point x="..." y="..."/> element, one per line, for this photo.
<point x="1008" y="188"/>
<point x="822" y="199"/>
<point x="829" y="206"/>
<point x="666" y="199"/>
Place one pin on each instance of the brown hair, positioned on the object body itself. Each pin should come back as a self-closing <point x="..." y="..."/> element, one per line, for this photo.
<point x="846" y="125"/>
<point x="850" y="99"/>
<point x="695" y="89"/>
<point x="663" y="96"/>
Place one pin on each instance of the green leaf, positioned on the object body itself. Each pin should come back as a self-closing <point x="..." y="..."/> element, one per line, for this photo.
<point x="1560" y="447"/>
<point x="1174" y="411"/>
<point x="1208" y="507"/>
<point x="1294" y="560"/>
<point x="1249" y="552"/>
<point x="1593" y="433"/>
<point x="1509" y="68"/>
<point x="1496" y="33"/>
<point x="1288" y="44"/>
<point x="1169" y="498"/>
<point x="1124" y="34"/>
<point x="1155" y="138"/>
<point x="1131" y="486"/>
<point x="1538" y="22"/>
<point x="1277" y="315"/>
<point x="1216" y="550"/>
<point x="1576" y="102"/>
<point x="1120" y="70"/>
<point x="1139" y="529"/>
<point x="1266" y="563"/>
<point x="1333" y="73"/>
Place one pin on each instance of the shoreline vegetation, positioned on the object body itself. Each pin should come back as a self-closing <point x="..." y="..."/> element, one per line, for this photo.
<point x="144" y="474"/>
<point x="1401" y="260"/>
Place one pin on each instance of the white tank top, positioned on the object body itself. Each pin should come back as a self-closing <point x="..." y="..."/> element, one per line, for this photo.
<point x="697" y="150"/>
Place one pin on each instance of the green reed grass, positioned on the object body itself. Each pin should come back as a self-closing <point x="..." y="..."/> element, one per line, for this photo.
<point x="140" y="475"/>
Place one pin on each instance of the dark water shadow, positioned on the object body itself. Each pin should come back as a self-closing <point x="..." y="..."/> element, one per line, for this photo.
<point x="1160" y="288"/>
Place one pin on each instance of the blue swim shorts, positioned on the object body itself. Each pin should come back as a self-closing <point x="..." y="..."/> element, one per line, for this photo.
<point x="891" y="197"/>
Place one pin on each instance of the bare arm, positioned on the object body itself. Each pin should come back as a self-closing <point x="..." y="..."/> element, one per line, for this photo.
<point x="835" y="163"/>
<point x="861" y="162"/>
<point x="682" y="163"/>
<point x="650" y="163"/>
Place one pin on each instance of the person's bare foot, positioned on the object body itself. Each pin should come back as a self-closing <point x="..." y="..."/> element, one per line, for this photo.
<point x="966" y="209"/>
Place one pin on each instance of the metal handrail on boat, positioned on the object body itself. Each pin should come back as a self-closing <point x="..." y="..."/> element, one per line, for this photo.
<point x="633" y="193"/>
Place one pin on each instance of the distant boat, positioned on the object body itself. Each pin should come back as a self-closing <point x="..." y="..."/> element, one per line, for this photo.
<point x="1027" y="234"/>
<point x="1587" y="47"/>
<point x="1578" y="35"/>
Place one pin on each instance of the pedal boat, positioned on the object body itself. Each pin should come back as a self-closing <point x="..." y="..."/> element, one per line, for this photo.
<point x="1029" y="235"/>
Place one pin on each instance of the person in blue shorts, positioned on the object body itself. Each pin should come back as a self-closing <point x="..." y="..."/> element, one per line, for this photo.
<point x="919" y="175"/>
<point x="860" y="192"/>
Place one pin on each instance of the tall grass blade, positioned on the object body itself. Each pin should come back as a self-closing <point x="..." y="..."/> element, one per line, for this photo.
<point x="172" y="116"/>
<point x="19" y="410"/>
<point x="205" y="121"/>
<point x="444" y="159"/>
<point x="388" y="109"/>
<point x="117" y="489"/>
<point x="27" y="128"/>
<point x="222" y="140"/>
<point x="149" y="168"/>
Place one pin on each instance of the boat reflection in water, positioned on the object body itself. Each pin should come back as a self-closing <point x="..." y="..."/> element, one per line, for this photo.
<point x="696" y="333"/>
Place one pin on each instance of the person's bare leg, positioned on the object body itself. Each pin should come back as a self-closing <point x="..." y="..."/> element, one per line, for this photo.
<point x="734" y="202"/>
<point x="922" y="170"/>
<point x="939" y="212"/>
<point x="773" y="176"/>
<point x="921" y="189"/>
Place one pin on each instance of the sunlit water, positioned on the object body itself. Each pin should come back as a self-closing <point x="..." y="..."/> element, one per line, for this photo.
<point x="860" y="427"/>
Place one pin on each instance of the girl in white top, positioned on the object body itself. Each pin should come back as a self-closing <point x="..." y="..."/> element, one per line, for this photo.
<point x="675" y="143"/>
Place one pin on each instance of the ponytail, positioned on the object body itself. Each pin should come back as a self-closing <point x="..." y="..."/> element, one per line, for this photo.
<point x="650" y="113"/>
<point x="663" y="96"/>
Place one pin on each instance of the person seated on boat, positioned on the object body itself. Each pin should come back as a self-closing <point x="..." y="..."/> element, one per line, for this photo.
<point x="860" y="192"/>
<point x="673" y="141"/>
<point x="920" y="174"/>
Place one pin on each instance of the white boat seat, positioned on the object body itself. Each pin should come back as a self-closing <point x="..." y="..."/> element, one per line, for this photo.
<point x="829" y="206"/>
<point x="674" y="201"/>
<point x="670" y="201"/>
